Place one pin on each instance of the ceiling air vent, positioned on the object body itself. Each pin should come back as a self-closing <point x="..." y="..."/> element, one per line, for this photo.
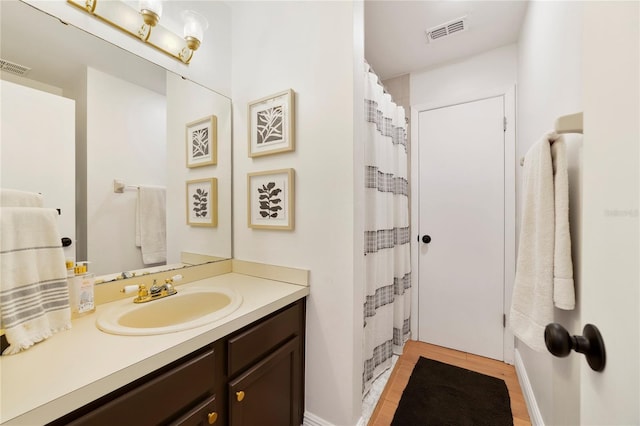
<point x="13" y="67"/>
<point x="446" y="29"/>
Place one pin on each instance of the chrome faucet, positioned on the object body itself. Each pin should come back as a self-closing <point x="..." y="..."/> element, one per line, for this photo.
<point x="155" y="288"/>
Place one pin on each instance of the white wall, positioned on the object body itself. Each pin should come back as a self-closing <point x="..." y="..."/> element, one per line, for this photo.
<point x="210" y="64"/>
<point x="37" y="128"/>
<point x="311" y="48"/>
<point x="7" y="76"/>
<point x="134" y="152"/>
<point x="549" y="85"/>
<point x="495" y="69"/>
<point x="188" y="102"/>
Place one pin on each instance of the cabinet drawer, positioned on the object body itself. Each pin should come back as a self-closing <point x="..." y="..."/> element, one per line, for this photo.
<point x="256" y="342"/>
<point x="156" y="400"/>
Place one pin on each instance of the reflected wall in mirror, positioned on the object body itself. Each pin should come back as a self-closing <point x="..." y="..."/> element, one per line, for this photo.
<point x="129" y="125"/>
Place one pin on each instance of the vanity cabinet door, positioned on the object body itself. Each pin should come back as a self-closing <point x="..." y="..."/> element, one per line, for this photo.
<point x="203" y="414"/>
<point x="269" y="392"/>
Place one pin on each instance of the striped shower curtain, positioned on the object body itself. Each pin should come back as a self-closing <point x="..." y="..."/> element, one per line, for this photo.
<point x="387" y="256"/>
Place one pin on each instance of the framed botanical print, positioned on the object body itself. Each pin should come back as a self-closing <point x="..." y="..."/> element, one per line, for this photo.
<point x="202" y="202"/>
<point x="202" y="142"/>
<point x="271" y="124"/>
<point x="270" y="199"/>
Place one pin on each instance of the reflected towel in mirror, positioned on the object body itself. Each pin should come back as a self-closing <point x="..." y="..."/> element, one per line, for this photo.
<point x="151" y="227"/>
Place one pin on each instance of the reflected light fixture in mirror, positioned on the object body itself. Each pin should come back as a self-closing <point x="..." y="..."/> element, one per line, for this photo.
<point x="127" y="19"/>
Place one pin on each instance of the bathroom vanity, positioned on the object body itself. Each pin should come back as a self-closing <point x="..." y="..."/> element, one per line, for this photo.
<point x="244" y="369"/>
<point x="252" y="377"/>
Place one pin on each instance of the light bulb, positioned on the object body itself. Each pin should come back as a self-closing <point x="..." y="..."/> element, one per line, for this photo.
<point x="194" y="26"/>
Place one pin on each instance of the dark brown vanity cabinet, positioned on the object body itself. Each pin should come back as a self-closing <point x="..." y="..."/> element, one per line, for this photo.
<point x="266" y="368"/>
<point x="255" y="376"/>
<point x="177" y="394"/>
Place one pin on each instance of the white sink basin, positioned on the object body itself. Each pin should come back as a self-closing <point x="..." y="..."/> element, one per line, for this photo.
<point x="189" y="308"/>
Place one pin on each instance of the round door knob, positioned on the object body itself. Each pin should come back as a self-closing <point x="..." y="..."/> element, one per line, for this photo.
<point x="212" y="417"/>
<point x="426" y="239"/>
<point x="559" y="342"/>
<point x="240" y="396"/>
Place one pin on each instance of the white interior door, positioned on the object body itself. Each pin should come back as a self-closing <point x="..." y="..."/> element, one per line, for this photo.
<point x="461" y="208"/>
<point x="610" y="294"/>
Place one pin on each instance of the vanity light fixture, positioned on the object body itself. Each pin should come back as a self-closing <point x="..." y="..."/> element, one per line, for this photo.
<point x="144" y="24"/>
<point x="194" y="27"/>
<point x="151" y="11"/>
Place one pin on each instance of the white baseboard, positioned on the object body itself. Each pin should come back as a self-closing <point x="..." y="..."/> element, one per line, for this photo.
<point x="532" y="406"/>
<point x="313" y="420"/>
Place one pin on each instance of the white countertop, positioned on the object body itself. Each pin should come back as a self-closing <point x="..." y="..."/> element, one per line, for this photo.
<point x="74" y="367"/>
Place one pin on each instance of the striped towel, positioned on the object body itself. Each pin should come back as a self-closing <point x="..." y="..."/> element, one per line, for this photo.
<point x="34" y="296"/>
<point x="16" y="198"/>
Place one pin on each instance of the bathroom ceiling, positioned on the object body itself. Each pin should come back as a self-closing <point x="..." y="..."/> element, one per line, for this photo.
<point x="395" y="32"/>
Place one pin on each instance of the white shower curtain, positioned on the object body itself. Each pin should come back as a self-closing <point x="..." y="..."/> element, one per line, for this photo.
<point x="387" y="256"/>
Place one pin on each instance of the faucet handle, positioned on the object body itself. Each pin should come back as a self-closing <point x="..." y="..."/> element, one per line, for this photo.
<point x="141" y="289"/>
<point x="170" y="280"/>
<point x="129" y="288"/>
<point x="168" y="288"/>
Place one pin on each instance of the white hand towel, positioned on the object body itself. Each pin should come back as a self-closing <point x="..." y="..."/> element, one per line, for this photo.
<point x="563" y="287"/>
<point x="151" y="224"/>
<point x="15" y="198"/>
<point x="544" y="250"/>
<point x="34" y="296"/>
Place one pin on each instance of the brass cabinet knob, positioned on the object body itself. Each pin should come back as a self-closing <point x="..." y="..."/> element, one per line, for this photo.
<point x="240" y="396"/>
<point x="213" y="417"/>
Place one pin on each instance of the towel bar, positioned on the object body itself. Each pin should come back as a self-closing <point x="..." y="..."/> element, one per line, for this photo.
<point x="571" y="123"/>
<point x="119" y="186"/>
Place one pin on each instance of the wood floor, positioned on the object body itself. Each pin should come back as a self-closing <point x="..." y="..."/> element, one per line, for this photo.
<point x="384" y="411"/>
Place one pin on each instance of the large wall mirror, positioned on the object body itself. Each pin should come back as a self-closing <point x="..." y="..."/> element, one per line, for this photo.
<point x="88" y="114"/>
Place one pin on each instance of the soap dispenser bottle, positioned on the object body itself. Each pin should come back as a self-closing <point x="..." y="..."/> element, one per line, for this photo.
<point x="81" y="291"/>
